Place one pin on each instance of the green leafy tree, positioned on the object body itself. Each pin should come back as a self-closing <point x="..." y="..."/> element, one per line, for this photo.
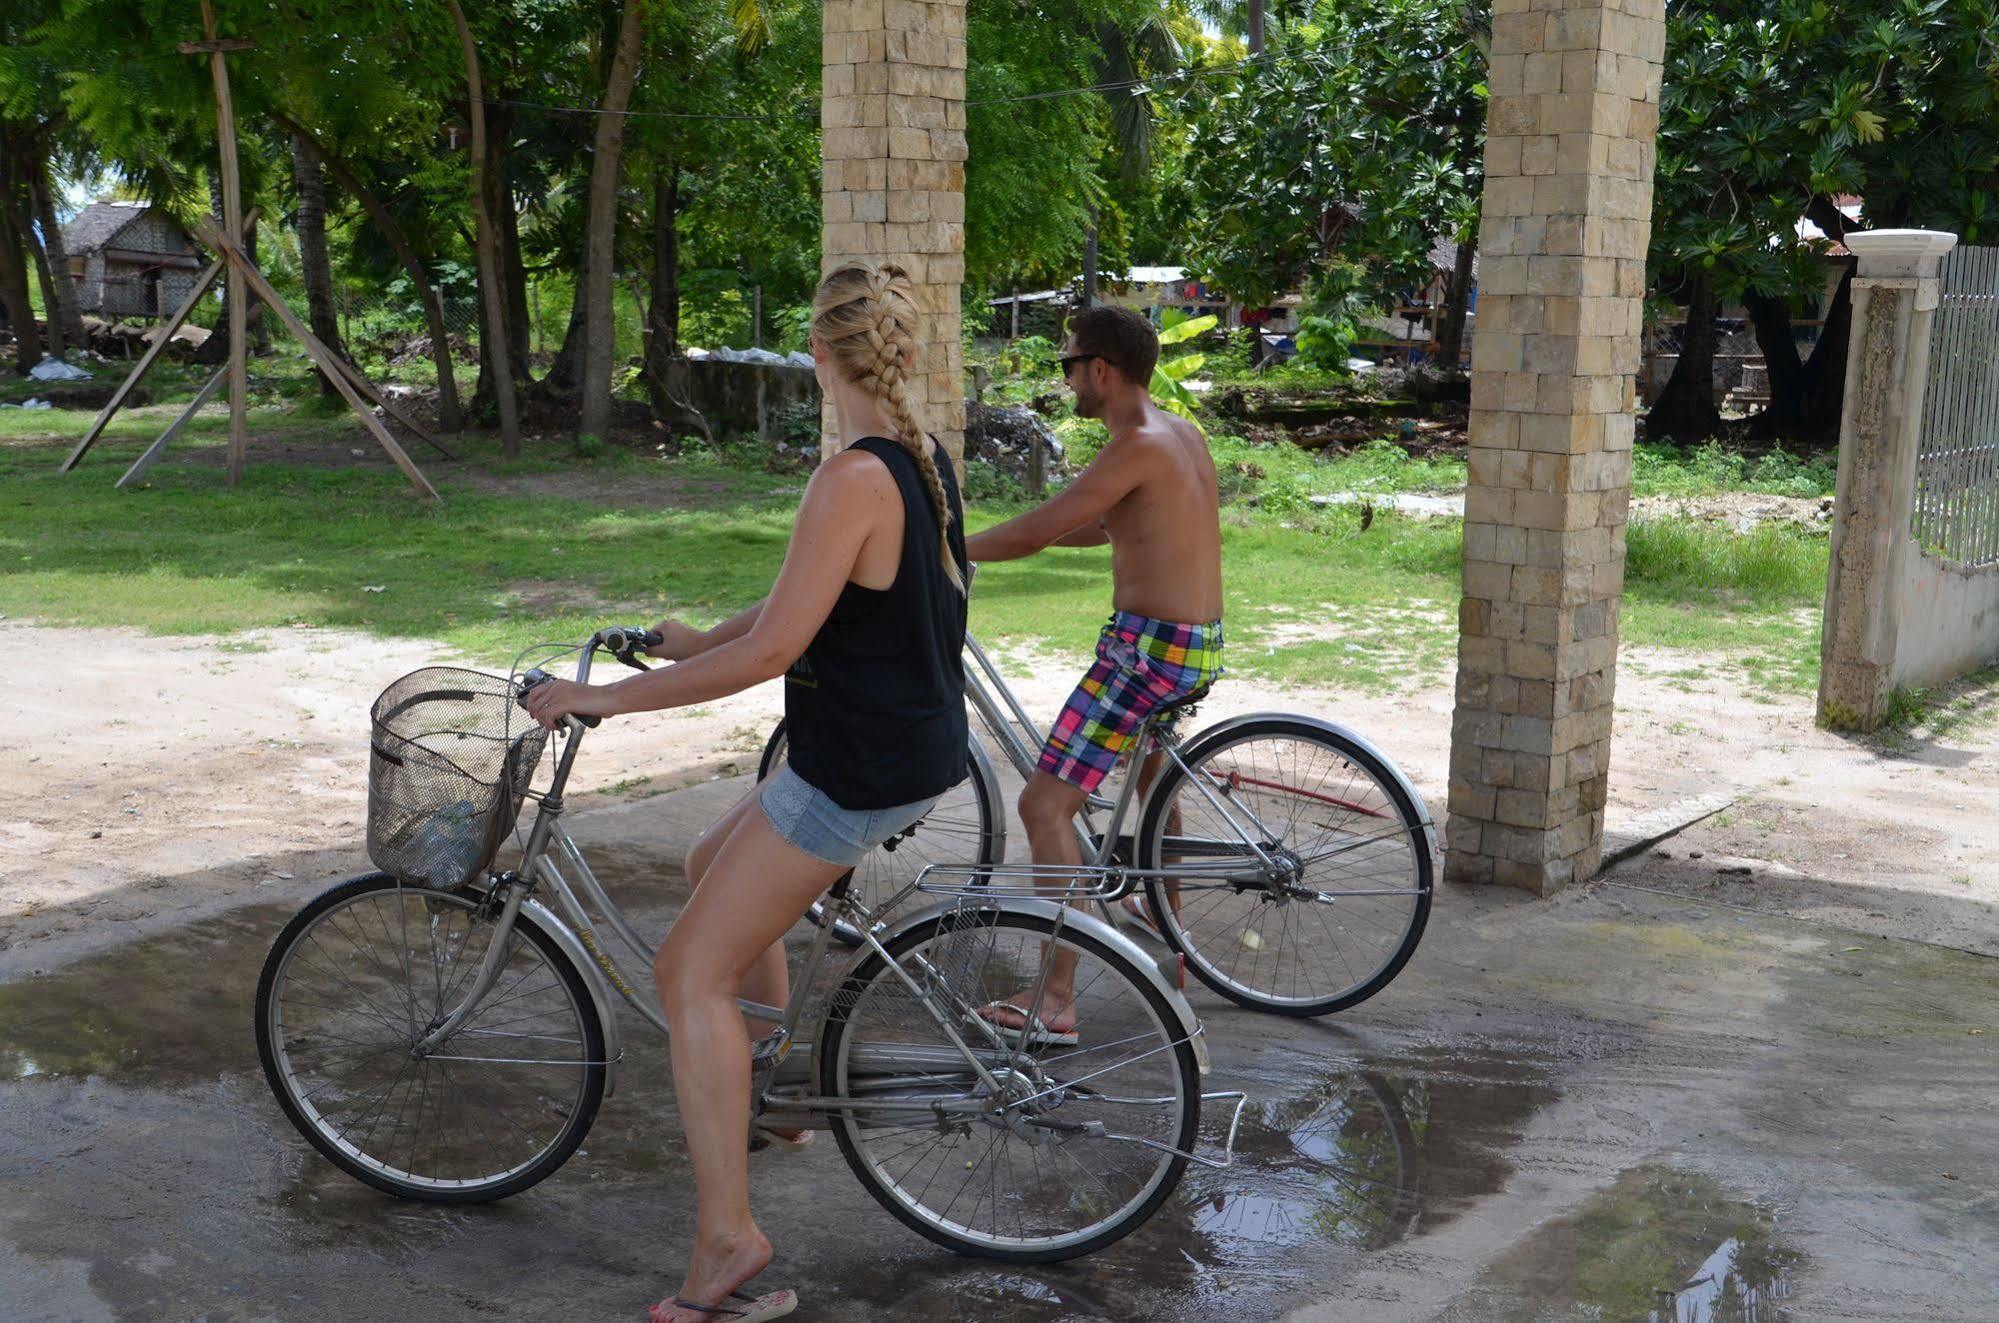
<point x="1769" y="114"/>
<point x="1342" y="157"/>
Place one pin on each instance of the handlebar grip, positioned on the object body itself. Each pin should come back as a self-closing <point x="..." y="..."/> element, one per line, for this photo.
<point x="538" y="676"/>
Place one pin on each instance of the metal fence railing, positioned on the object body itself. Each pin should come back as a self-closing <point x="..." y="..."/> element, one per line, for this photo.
<point x="1957" y="464"/>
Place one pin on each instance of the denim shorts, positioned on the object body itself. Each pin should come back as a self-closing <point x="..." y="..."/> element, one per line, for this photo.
<point x="810" y="821"/>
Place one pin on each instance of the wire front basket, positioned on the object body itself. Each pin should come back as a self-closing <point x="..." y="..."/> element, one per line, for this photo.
<point x="450" y="757"/>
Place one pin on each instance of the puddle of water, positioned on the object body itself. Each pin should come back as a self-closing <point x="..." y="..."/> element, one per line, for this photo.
<point x="1364" y="1158"/>
<point x="1661" y="1245"/>
<point x="168" y="1010"/>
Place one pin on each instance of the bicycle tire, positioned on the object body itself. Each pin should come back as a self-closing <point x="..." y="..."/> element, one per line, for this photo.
<point x="882" y="874"/>
<point x="275" y="1051"/>
<point x="1232" y="981"/>
<point x="1030" y="930"/>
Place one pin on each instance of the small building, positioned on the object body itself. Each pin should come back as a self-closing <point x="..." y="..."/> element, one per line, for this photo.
<point x="129" y="259"/>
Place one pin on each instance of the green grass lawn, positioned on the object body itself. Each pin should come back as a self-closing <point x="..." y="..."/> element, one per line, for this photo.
<point x="549" y="547"/>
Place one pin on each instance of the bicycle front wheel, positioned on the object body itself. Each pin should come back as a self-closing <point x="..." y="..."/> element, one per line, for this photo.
<point x="367" y="970"/>
<point x="967" y="830"/>
<point x="1339" y="909"/>
<point x="1055" y="1150"/>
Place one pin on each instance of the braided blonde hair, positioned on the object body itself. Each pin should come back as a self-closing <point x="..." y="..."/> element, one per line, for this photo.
<point x="866" y="313"/>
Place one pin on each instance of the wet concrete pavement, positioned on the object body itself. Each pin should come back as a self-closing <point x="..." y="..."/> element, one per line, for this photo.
<point x="1616" y="1105"/>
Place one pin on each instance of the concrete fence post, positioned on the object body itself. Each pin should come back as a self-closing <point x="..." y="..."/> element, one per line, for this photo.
<point x="1895" y="295"/>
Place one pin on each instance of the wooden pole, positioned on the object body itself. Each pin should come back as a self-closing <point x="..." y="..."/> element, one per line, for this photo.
<point x="368" y="391"/>
<point x="158" y="347"/>
<point x="153" y="351"/>
<point x="232" y="223"/>
<point x="158" y="448"/>
<point x="327" y="361"/>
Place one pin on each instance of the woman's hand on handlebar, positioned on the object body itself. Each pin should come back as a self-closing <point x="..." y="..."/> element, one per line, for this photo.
<point x="553" y="700"/>
<point x="677" y="641"/>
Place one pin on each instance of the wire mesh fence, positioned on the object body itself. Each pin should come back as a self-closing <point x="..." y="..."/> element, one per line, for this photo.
<point x="1957" y="461"/>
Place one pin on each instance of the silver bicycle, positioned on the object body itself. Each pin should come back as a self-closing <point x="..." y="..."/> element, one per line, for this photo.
<point x="444" y="1031"/>
<point x="1283" y="858"/>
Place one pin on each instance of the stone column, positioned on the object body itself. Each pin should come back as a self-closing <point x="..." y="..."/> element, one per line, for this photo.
<point x="892" y="112"/>
<point x="1895" y="295"/>
<point x="1566" y="219"/>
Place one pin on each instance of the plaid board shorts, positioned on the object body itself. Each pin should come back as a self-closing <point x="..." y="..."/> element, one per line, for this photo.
<point x="1141" y="663"/>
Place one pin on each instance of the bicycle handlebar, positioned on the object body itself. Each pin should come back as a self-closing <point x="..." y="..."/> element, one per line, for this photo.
<point x="622" y="641"/>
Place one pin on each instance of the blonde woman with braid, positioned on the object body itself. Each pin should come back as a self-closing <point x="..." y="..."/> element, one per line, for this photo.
<point x="865" y="623"/>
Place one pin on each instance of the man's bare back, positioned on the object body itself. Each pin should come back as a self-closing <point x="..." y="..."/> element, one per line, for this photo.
<point x="1165" y="534"/>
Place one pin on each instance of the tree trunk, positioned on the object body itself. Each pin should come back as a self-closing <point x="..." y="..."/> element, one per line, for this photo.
<point x="52" y="334"/>
<point x="68" y="312"/>
<point x="1685" y="409"/>
<point x="1255" y="27"/>
<point x="450" y="415"/>
<point x="599" y="252"/>
<point x="1090" y="262"/>
<point x="14" y="294"/>
<point x="565" y="373"/>
<point x="1825" y="375"/>
<point x="663" y="317"/>
<point x="1457" y="302"/>
<point x="507" y="234"/>
<point x="314" y="262"/>
<point x="1771" y="318"/>
<point x="489" y="290"/>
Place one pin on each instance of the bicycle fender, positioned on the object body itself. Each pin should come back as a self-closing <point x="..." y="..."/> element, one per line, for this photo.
<point x="1190" y="1024"/>
<point x="1223" y="728"/>
<point x="593" y="978"/>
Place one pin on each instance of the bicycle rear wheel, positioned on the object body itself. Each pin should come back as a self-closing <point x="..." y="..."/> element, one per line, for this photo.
<point x="967" y="830"/>
<point x="1069" y="1148"/>
<point x="370" y="967"/>
<point x="1344" y="910"/>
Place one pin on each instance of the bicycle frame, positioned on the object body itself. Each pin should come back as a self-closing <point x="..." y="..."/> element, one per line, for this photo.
<point x="547" y="861"/>
<point x="987" y="691"/>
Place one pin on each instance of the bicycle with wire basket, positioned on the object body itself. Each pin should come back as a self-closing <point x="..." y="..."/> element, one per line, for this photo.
<point x="1284" y="859"/>
<point x="446" y="1031"/>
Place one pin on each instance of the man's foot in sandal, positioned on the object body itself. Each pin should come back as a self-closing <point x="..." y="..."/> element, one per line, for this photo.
<point x="715" y="1272"/>
<point x="1139" y="911"/>
<point x="787" y="1141"/>
<point x="1054" y="1026"/>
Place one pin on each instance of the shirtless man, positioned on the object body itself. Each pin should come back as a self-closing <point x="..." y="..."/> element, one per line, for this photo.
<point x="1151" y="493"/>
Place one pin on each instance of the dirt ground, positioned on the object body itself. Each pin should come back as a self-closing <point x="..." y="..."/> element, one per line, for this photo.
<point x="149" y="780"/>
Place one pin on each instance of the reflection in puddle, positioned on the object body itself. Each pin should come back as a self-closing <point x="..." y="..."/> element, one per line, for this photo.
<point x="1365" y="1158"/>
<point x="1661" y="1245"/>
<point x="171" y="1009"/>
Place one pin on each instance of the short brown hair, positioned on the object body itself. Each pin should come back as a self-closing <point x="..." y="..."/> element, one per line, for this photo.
<point x="1120" y="337"/>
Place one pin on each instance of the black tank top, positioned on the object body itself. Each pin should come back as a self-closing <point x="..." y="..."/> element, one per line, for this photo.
<point x="875" y="709"/>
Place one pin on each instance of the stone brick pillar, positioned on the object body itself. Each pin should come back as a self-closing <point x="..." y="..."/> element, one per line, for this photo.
<point x="892" y="112"/>
<point x="1895" y="296"/>
<point x="1566" y="219"/>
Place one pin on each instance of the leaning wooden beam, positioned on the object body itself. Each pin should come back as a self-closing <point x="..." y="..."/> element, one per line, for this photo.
<point x="367" y="389"/>
<point x="327" y="361"/>
<point x="158" y="347"/>
<point x="158" y="448"/>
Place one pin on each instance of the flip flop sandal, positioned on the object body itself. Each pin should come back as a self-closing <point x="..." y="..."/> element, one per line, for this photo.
<point x="754" y="1309"/>
<point x="1141" y="914"/>
<point x="763" y="1137"/>
<point x="1038" y="1033"/>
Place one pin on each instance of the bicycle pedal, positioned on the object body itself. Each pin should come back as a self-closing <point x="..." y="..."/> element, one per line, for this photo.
<point x="1174" y="968"/>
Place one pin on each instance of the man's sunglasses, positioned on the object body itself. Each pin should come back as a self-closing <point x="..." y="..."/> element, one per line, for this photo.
<point x="1070" y="360"/>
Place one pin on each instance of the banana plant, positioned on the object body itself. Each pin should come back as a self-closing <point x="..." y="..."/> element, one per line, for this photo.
<point x="1168" y="392"/>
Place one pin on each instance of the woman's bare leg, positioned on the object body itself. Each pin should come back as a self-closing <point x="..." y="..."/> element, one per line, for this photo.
<point x="752" y="890"/>
<point x="768" y="979"/>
